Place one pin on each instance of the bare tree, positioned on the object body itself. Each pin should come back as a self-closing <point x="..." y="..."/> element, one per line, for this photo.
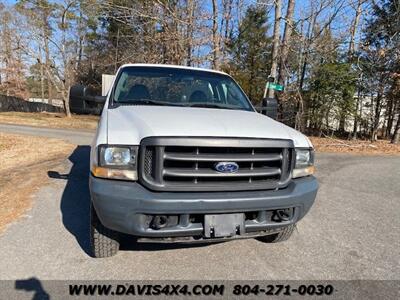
<point x="354" y="27"/>
<point x="351" y="50"/>
<point x="12" y="68"/>
<point x="190" y="12"/>
<point x="287" y="38"/>
<point x="215" y="36"/>
<point x="276" y="42"/>
<point x="316" y="29"/>
<point x="61" y="57"/>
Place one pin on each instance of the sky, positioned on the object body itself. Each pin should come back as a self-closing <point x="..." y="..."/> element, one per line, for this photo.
<point x="340" y="26"/>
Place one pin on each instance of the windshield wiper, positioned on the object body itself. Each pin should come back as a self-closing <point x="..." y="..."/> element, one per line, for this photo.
<point x="147" y="102"/>
<point x="162" y="103"/>
<point x="213" y="105"/>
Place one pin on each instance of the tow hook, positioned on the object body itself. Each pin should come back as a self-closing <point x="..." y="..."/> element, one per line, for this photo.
<point x="159" y="222"/>
<point x="282" y="215"/>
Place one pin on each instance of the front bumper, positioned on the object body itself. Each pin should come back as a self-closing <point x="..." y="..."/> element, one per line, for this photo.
<point x="126" y="207"/>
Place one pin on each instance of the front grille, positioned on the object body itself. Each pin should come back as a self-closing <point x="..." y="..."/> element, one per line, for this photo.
<point x="188" y="164"/>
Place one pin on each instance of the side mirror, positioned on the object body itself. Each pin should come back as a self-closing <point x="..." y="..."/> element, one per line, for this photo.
<point x="270" y="107"/>
<point x="82" y="100"/>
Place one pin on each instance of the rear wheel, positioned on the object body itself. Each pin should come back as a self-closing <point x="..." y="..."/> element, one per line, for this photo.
<point x="284" y="235"/>
<point x="104" y="241"/>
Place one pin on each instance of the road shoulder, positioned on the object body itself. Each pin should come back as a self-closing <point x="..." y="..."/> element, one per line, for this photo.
<point x="24" y="170"/>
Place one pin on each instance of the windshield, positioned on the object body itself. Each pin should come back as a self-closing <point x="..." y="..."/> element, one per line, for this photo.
<point x="178" y="87"/>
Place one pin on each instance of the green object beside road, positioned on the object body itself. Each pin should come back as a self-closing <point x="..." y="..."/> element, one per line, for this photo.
<point x="275" y="86"/>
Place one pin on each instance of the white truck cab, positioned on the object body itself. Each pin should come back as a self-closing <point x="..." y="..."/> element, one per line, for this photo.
<point x="181" y="155"/>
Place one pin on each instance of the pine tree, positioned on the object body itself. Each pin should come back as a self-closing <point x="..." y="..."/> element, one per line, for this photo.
<point x="251" y="53"/>
<point x="382" y="47"/>
<point x="331" y="94"/>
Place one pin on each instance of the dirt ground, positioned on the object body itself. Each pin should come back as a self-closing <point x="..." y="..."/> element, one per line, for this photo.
<point x="23" y="169"/>
<point x="380" y="147"/>
<point x="52" y="120"/>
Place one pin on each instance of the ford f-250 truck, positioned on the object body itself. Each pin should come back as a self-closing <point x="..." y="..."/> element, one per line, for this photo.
<point x="181" y="155"/>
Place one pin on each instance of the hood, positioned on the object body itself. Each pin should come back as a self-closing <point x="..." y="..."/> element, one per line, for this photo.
<point x="130" y="124"/>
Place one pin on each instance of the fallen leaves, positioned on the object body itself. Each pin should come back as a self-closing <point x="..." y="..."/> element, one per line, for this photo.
<point x="380" y="147"/>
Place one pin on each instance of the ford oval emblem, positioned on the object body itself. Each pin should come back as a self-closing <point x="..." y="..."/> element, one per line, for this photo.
<point x="227" y="167"/>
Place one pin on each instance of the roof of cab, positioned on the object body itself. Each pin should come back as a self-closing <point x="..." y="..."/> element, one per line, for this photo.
<point x="173" y="66"/>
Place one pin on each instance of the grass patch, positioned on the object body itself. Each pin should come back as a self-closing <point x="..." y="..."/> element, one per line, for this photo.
<point x="25" y="161"/>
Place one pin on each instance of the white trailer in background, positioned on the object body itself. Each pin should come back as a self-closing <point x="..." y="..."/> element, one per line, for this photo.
<point x="106" y="82"/>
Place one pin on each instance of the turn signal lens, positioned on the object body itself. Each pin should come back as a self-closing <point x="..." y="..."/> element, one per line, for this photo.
<point x="114" y="173"/>
<point x="303" y="172"/>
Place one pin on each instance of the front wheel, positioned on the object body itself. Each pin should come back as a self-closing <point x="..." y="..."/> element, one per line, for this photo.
<point x="104" y="241"/>
<point x="284" y="235"/>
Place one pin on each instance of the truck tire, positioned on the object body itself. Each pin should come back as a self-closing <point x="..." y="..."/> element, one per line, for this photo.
<point x="104" y="241"/>
<point x="284" y="235"/>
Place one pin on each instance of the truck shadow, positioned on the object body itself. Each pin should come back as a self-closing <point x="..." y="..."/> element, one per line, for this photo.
<point x="129" y="243"/>
<point x="75" y="200"/>
<point x="75" y="206"/>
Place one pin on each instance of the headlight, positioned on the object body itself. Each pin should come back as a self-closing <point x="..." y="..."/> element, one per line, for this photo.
<point x="117" y="156"/>
<point x="116" y="162"/>
<point x="304" y="163"/>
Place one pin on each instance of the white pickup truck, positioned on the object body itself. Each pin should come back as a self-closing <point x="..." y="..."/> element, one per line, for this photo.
<point x="181" y="155"/>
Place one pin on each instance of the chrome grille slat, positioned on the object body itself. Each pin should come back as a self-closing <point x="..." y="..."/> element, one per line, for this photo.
<point x="188" y="164"/>
<point x="210" y="173"/>
<point x="222" y="157"/>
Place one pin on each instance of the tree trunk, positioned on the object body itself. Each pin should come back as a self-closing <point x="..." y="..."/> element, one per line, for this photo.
<point x="65" y="96"/>
<point x="287" y="36"/>
<point x="377" y="115"/>
<point x="396" y="134"/>
<point x="389" y="126"/>
<point x="225" y="30"/>
<point x="116" y="53"/>
<point x="356" y="116"/>
<point x="41" y="76"/>
<point x="216" y="43"/>
<point x="342" y="123"/>
<point x="275" y="46"/>
<point x="47" y="53"/>
<point x="81" y="37"/>
<point x="310" y="33"/>
<point x="390" y="112"/>
<point x="189" y="31"/>
<point x="353" y="29"/>
<point x="350" y="53"/>
<point x="228" y="16"/>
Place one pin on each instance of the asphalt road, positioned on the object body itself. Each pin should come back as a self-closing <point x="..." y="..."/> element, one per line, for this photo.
<point x="352" y="232"/>
<point x="74" y="136"/>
